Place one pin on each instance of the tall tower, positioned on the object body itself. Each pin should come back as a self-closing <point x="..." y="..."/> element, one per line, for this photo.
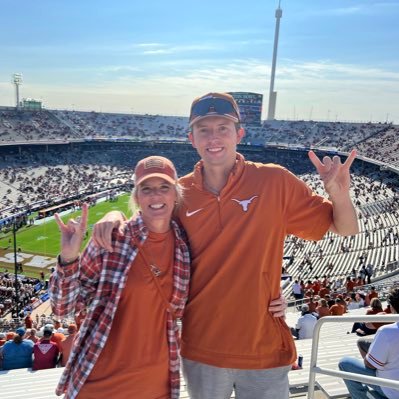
<point x="273" y="94"/>
<point x="17" y="80"/>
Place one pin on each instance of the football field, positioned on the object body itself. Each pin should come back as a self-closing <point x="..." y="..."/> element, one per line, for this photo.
<point x="44" y="239"/>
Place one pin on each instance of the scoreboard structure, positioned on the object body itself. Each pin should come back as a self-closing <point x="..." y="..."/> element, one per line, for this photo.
<point x="250" y="105"/>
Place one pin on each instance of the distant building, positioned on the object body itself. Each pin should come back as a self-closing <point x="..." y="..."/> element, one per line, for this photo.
<point x="250" y="105"/>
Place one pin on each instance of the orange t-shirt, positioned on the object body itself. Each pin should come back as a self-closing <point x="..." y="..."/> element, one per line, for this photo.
<point x="236" y="242"/>
<point x="66" y="346"/>
<point x="372" y="295"/>
<point x="312" y="306"/>
<point x="316" y="288"/>
<point x="323" y="311"/>
<point x="135" y="360"/>
<point x="57" y="338"/>
<point x="337" y="310"/>
<point x="350" y="285"/>
<point x="324" y="291"/>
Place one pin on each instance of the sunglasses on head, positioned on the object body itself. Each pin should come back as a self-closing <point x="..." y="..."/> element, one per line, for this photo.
<point x="217" y="106"/>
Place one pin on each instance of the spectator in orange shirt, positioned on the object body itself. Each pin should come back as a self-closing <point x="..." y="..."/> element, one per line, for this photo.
<point x="323" y="309"/>
<point x="312" y="304"/>
<point x="350" y="285"/>
<point x="127" y="346"/>
<point x="363" y="329"/>
<point x="10" y="335"/>
<point x="316" y="287"/>
<point x="28" y="321"/>
<point x="325" y="281"/>
<point x="31" y="334"/>
<point x="325" y="290"/>
<point x="337" y="309"/>
<point x="309" y="285"/>
<point x="67" y="343"/>
<point x="372" y="294"/>
<point x="228" y="197"/>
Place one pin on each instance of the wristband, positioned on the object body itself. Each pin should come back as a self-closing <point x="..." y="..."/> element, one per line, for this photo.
<point x="66" y="263"/>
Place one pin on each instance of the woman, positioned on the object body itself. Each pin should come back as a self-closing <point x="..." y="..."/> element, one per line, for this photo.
<point x="363" y="329"/>
<point x="127" y="345"/>
<point x="323" y="309"/>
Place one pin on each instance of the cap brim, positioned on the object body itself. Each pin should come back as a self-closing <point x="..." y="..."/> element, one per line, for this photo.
<point x="160" y="175"/>
<point x="200" y="118"/>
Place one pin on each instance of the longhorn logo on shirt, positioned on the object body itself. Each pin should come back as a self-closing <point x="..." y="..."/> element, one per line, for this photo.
<point x="245" y="203"/>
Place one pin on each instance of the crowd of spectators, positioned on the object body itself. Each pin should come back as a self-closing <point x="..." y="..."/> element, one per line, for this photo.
<point x="320" y="298"/>
<point x="28" y="289"/>
<point x="39" y="349"/>
<point x="47" y="175"/>
<point x="373" y="140"/>
<point x="31" y="126"/>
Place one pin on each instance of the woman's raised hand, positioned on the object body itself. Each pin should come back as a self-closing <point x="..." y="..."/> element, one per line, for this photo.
<point x="72" y="234"/>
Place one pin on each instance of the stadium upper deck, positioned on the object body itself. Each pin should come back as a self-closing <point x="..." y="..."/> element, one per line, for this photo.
<point x="376" y="141"/>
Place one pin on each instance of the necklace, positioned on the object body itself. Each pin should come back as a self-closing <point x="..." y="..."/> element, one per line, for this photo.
<point x="156" y="243"/>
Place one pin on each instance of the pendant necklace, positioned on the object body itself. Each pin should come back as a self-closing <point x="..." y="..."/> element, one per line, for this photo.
<point x="156" y="271"/>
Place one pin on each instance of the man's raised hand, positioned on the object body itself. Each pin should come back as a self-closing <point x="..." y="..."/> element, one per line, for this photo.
<point x="102" y="230"/>
<point x="335" y="175"/>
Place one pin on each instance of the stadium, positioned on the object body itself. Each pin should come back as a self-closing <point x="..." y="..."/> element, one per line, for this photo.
<point x="51" y="161"/>
<point x="55" y="160"/>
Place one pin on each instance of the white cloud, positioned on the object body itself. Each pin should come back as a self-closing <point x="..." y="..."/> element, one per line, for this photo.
<point x="148" y="44"/>
<point x="320" y="89"/>
<point x="174" y="49"/>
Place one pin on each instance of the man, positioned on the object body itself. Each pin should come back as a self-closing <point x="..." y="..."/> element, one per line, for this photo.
<point x="338" y="308"/>
<point x="370" y="271"/>
<point x="17" y="353"/>
<point x="28" y="321"/>
<point x="372" y="294"/>
<point x="57" y="336"/>
<point x="381" y="359"/>
<point x="297" y="290"/>
<point x="45" y="351"/>
<point x="31" y="335"/>
<point x="305" y="324"/>
<point x="237" y="215"/>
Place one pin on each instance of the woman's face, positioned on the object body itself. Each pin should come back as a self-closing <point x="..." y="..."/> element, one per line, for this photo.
<point x="156" y="198"/>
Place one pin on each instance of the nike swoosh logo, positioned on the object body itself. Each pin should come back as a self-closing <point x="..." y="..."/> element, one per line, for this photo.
<point x="188" y="214"/>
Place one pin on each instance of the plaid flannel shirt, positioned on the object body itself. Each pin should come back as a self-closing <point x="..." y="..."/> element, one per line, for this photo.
<point x="96" y="281"/>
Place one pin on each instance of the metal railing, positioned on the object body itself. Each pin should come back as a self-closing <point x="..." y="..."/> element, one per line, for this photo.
<point x="343" y="374"/>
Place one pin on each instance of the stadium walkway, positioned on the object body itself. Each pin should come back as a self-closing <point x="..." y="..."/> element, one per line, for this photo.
<point x="26" y="384"/>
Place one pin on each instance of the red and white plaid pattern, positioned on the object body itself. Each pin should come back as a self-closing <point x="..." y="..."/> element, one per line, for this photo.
<point x="97" y="282"/>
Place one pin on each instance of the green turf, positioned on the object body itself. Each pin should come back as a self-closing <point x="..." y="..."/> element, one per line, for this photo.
<point x="44" y="239"/>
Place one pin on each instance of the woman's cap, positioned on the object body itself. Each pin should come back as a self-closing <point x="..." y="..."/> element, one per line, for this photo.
<point x="155" y="166"/>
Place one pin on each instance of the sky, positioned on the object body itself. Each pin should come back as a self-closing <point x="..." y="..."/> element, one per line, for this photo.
<point x="337" y="59"/>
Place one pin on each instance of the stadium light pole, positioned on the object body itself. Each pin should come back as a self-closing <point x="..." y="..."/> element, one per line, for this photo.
<point x="17" y="80"/>
<point x="14" y="232"/>
<point x="273" y="94"/>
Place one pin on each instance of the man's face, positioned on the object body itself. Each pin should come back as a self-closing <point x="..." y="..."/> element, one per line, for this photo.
<point x="216" y="138"/>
